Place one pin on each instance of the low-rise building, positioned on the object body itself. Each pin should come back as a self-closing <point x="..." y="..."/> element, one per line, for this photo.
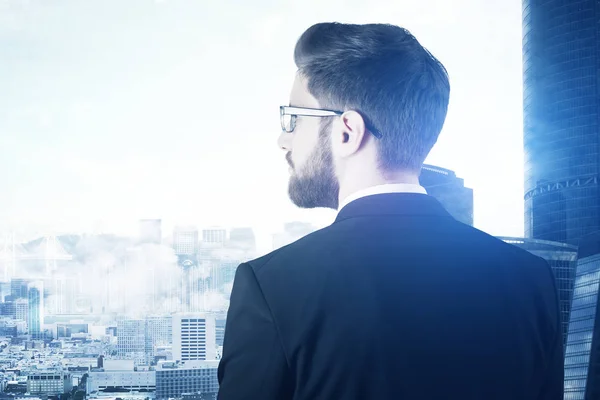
<point x="49" y="383"/>
<point x="175" y="379"/>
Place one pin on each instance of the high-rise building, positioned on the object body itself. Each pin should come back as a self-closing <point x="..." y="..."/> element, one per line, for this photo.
<point x="35" y="313"/>
<point x="137" y="339"/>
<point x="194" y="337"/>
<point x="159" y="330"/>
<point x="18" y="288"/>
<point x="561" y="110"/>
<point x="8" y="309"/>
<point x="185" y="241"/>
<point x="582" y="354"/>
<point x="562" y="259"/>
<point x="151" y="231"/>
<point x="214" y="236"/>
<point x="450" y="191"/>
<point x="131" y="340"/>
<point x="21" y="309"/>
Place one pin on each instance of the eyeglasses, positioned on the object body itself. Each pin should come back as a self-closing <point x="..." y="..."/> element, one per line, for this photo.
<point x="289" y="115"/>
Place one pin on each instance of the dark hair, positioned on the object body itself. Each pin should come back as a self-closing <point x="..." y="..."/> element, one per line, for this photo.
<point x="385" y="74"/>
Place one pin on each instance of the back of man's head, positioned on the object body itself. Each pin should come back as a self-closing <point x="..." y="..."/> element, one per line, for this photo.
<point x="384" y="73"/>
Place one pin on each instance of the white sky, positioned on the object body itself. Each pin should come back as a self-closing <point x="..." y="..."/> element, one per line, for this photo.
<point x="115" y="110"/>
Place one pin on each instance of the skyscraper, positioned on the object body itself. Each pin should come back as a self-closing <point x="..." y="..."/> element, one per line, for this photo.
<point x="561" y="107"/>
<point x="450" y="191"/>
<point x="131" y="340"/>
<point x="582" y="353"/>
<point x="137" y="339"/>
<point x="194" y="337"/>
<point x="562" y="259"/>
<point x="35" y="314"/>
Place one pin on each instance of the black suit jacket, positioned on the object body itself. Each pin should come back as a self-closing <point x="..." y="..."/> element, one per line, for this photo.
<point x="395" y="300"/>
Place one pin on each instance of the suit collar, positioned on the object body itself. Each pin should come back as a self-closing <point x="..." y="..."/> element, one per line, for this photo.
<point x="393" y="204"/>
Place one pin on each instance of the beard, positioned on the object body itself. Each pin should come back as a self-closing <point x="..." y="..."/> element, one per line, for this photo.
<point x="316" y="185"/>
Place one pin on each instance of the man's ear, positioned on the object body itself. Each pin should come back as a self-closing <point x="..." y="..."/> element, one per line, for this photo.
<point x="348" y="134"/>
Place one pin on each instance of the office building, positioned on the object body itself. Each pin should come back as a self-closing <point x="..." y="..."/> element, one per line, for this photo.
<point x="22" y="309"/>
<point x="18" y="288"/>
<point x="49" y="383"/>
<point x="561" y="110"/>
<point x="35" y="312"/>
<point x="582" y="354"/>
<point x="151" y="231"/>
<point x="214" y="236"/>
<point x="194" y="337"/>
<point x="562" y="259"/>
<point x="137" y="339"/>
<point x="450" y="191"/>
<point x="185" y="241"/>
<point x="121" y="381"/>
<point x="193" y="377"/>
<point x="220" y="322"/>
<point x="131" y="340"/>
<point x="65" y="330"/>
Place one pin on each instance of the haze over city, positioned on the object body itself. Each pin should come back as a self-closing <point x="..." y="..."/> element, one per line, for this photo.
<point x="114" y="111"/>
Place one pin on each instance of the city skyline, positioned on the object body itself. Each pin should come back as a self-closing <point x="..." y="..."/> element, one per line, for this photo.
<point x="107" y="127"/>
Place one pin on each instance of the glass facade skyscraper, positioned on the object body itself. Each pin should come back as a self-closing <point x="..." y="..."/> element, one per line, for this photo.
<point x="562" y="259"/>
<point x="35" y="312"/>
<point x="582" y="353"/>
<point x="561" y="56"/>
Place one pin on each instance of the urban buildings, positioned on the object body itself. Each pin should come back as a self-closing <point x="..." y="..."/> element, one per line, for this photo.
<point x="563" y="261"/>
<point x="194" y="337"/>
<point x="582" y="353"/>
<point x="121" y="380"/>
<point x="450" y="191"/>
<point x="49" y="383"/>
<point x="173" y="379"/>
<point x="35" y="314"/>
<point x="185" y="241"/>
<point x="137" y="339"/>
<point x="214" y="236"/>
<point x="131" y="339"/>
<point x="561" y="110"/>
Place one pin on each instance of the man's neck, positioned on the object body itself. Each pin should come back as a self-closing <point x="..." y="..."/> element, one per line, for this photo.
<point x="347" y="189"/>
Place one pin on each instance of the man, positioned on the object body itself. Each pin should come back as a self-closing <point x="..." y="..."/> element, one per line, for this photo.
<point x="396" y="299"/>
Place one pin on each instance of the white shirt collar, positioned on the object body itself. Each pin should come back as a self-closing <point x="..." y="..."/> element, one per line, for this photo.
<point x="381" y="189"/>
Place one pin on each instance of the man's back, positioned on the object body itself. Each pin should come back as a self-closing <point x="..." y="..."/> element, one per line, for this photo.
<point x="396" y="300"/>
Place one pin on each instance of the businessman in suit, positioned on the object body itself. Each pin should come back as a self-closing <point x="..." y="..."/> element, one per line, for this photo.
<point x="395" y="299"/>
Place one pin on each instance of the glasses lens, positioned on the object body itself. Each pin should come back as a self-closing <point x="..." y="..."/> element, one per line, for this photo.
<point x="287" y="122"/>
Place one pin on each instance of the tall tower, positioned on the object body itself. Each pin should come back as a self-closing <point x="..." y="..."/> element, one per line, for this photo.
<point x="35" y="314"/>
<point x="561" y="107"/>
